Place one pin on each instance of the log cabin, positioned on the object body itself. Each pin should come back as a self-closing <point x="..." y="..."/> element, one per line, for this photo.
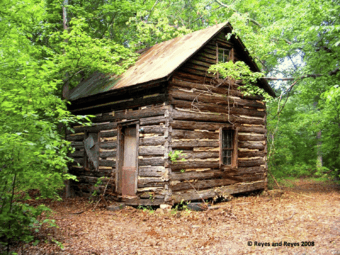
<point x="166" y="103"/>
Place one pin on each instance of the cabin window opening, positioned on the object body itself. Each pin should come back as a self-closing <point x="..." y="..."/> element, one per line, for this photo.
<point x="223" y="55"/>
<point x="227" y="146"/>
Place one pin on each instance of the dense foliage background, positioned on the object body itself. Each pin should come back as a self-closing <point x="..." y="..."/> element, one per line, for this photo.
<point x="46" y="45"/>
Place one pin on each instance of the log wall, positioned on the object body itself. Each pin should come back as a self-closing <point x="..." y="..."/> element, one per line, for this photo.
<point x="152" y="150"/>
<point x="202" y="103"/>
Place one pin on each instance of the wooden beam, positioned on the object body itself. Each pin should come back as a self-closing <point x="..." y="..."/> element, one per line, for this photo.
<point x="137" y="114"/>
<point x="202" y="184"/>
<point x="186" y="134"/>
<point x="184" y="115"/>
<point x="151" y="151"/>
<point x="251" y="162"/>
<point x="151" y="171"/>
<point x="155" y="161"/>
<point x="251" y="145"/>
<point x="194" y="164"/>
<point x="193" y="143"/>
<point x="152" y="141"/>
<point x="191" y="125"/>
<point x="209" y="193"/>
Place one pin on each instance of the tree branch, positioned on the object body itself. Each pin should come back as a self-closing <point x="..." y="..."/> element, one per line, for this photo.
<point x="229" y="7"/>
<point x="333" y="72"/>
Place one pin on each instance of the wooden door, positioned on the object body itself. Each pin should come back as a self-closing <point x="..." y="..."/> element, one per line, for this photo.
<point x="129" y="161"/>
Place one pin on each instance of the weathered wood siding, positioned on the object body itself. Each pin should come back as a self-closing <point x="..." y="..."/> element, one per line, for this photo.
<point x="152" y="152"/>
<point x="201" y="105"/>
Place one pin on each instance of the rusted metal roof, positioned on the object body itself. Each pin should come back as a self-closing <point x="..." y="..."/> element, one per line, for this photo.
<point x="155" y="63"/>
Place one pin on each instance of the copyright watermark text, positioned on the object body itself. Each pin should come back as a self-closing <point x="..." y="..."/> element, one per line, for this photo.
<point x="282" y="243"/>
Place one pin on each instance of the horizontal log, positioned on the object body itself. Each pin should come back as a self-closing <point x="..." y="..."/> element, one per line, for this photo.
<point x="194" y="143"/>
<point x="196" y="175"/>
<point x="156" y="193"/>
<point x="244" y="154"/>
<point x="251" y="145"/>
<point x="152" y="141"/>
<point x="253" y="129"/>
<point x="202" y="184"/>
<point x="204" y="194"/>
<point x="177" y="134"/>
<point x="137" y="114"/>
<point x="196" y="67"/>
<point x="151" y="151"/>
<point x="198" y="62"/>
<point x="251" y="162"/>
<point x="152" y="120"/>
<point x="250" y="170"/>
<point x="111" y="133"/>
<point x="190" y="77"/>
<point x="119" y="94"/>
<point x="156" y="129"/>
<point x="195" y="164"/>
<point x="210" y="50"/>
<point x="156" y="161"/>
<point x="77" y="145"/>
<point x="211" y="46"/>
<point x="94" y="128"/>
<point x="157" y="185"/>
<point x="252" y="177"/>
<point x="108" y="145"/>
<point x="199" y="155"/>
<point x="139" y="201"/>
<point x="197" y="72"/>
<point x="204" y="59"/>
<point x="75" y="137"/>
<point x="215" y="89"/>
<point x="191" y="125"/>
<point x="150" y="182"/>
<point x="223" y="42"/>
<point x="107" y="154"/>
<point x="116" y="105"/>
<point x="242" y="120"/>
<point x="151" y="171"/>
<point x="251" y="138"/>
<point x="205" y="54"/>
<point x="207" y="96"/>
<point x="111" y="163"/>
<point x="77" y="154"/>
<point x="199" y="106"/>
<point x="218" y="117"/>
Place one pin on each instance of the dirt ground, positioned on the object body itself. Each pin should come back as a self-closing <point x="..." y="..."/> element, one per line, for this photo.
<point x="305" y="219"/>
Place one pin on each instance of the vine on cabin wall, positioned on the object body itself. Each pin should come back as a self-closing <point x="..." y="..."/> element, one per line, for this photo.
<point x="231" y="72"/>
<point x="240" y="71"/>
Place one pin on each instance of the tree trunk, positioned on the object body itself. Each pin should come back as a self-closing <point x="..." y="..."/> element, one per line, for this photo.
<point x="319" y="151"/>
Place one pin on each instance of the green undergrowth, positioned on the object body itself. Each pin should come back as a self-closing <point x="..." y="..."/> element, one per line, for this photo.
<point x="290" y="182"/>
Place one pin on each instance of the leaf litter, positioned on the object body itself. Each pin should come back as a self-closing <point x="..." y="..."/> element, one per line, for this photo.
<point x="307" y="212"/>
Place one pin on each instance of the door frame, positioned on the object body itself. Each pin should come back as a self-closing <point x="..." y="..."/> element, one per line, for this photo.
<point x="120" y="152"/>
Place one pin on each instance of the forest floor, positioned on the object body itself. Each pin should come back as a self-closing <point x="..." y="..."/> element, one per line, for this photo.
<point x="307" y="214"/>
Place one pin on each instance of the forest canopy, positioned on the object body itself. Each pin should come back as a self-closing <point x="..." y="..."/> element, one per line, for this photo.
<point x="48" y="45"/>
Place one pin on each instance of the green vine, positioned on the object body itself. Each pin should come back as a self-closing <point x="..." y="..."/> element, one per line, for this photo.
<point x="240" y="71"/>
<point x="175" y="156"/>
